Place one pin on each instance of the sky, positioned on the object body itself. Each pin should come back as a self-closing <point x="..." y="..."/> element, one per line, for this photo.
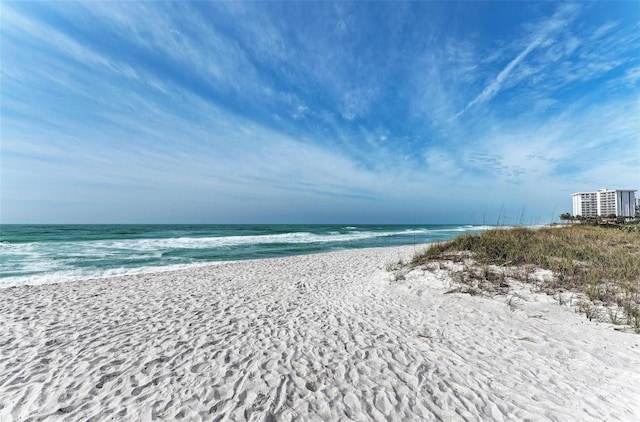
<point x="315" y="112"/>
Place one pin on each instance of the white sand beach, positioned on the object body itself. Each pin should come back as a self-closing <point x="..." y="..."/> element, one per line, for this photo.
<point x="316" y="337"/>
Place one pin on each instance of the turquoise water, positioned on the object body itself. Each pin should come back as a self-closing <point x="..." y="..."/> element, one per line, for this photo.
<point x="39" y="254"/>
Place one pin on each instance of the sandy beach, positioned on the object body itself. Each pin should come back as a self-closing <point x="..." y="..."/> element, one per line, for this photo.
<point x="315" y="337"/>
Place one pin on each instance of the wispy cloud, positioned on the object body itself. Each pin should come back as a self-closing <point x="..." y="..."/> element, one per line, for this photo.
<point x="494" y="87"/>
<point x="542" y="35"/>
<point x="246" y="110"/>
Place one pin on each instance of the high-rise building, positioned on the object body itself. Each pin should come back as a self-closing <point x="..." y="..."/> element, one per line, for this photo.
<point x="603" y="202"/>
<point x="585" y="204"/>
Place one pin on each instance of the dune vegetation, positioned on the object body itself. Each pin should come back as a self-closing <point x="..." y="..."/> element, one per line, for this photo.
<point x="599" y="263"/>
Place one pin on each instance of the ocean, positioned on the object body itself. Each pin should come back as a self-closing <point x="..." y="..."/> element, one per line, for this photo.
<point x="43" y="254"/>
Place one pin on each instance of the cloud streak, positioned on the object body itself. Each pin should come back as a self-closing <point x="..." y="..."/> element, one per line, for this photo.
<point x="494" y="87"/>
<point x="543" y="36"/>
<point x="232" y="112"/>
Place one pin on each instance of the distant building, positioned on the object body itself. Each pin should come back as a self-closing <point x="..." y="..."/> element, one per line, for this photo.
<point x="585" y="204"/>
<point x="603" y="202"/>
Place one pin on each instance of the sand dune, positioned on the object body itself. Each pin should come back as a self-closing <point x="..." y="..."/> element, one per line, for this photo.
<point x="314" y="337"/>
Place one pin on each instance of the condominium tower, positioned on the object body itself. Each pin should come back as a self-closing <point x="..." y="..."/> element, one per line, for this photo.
<point x="605" y="202"/>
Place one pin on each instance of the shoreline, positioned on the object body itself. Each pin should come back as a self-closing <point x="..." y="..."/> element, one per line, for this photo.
<point x="306" y="337"/>
<point x="161" y="269"/>
<point x="53" y="254"/>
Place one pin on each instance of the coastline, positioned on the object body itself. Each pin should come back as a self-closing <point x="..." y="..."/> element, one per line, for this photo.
<point x="306" y="337"/>
<point x="46" y="254"/>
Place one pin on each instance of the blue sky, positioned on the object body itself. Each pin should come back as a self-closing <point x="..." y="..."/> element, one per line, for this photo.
<point x="286" y="112"/>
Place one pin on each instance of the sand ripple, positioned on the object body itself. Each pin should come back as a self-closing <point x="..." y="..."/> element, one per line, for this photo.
<point x="316" y="337"/>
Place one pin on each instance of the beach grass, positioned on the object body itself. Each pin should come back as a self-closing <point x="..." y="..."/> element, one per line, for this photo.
<point x="599" y="262"/>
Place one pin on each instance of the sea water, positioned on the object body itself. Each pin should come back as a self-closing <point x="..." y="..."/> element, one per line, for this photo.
<point x="39" y="254"/>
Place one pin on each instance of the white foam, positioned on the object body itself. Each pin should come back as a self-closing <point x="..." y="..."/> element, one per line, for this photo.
<point x="107" y="247"/>
<point x="71" y="275"/>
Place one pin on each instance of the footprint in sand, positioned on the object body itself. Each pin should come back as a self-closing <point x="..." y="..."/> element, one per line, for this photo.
<point x="199" y="367"/>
